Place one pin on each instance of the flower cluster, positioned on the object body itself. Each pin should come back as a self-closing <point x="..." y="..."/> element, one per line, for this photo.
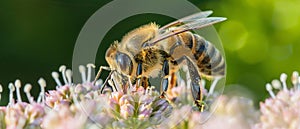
<point x="83" y="106"/>
<point x="232" y="112"/>
<point x="19" y="114"/>
<point x="282" y="110"/>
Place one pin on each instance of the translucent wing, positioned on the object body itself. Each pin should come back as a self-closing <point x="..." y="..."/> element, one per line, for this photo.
<point x="192" y="25"/>
<point x="187" y="19"/>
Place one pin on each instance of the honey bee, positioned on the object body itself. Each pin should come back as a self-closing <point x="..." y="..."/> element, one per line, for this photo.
<point x="150" y="49"/>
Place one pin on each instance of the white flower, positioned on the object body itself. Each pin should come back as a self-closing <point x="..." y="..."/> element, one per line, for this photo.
<point x="281" y="110"/>
<point x="231" y="112"/>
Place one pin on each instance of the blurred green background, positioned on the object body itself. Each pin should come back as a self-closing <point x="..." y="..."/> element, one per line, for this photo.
<point x="260" y="38"/>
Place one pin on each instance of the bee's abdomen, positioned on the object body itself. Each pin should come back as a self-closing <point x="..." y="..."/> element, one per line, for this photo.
<point x="208" y="58"/>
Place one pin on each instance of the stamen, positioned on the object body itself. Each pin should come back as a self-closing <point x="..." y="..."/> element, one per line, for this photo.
<point x="269" y="89"/>
<point x="149" y="90"/>
<point x="188" y="84"/>
<point x="179" y="79"/>
<point x="62" y="69"/>
<point x="298" y="83"/>
<point x="41" y="98"/>
<point x="152" y="88"/>
<point x="1" y="90"/>
<point x="27" y="89"/>
<point x="276" y="84"/>
<point x="90" y="66"/>
<point x="82" y="71"/>
<point x="18" y="86"/>
<point x="11" y="93"/>
<point x="213" y="86"/>
<point x="99" y="82"/>
<point x="283" y="78"/>
<point x="55" y="76"/>
<point x="203" y="82"/>
<point x="69" y="76"/>
<point x="182" y="83"/>
<point x="295" y="77"/>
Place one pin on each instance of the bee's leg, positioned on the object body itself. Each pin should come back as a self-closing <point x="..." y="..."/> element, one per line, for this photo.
<point x="141" y="80"/>
<point x="99" y="72"/>
<point x="173" y="77"/>
<point x="105" y="84"/>
<point x="195" y="86"/>
<point x="195" y="82"/>
<point x="165" y="81"/>
<point x="139" y="72"/>
<point x="167" y="84"/>
<point x="172" y="81"/>
<point x="145" y="82"/>
<point x="128" y="84"/>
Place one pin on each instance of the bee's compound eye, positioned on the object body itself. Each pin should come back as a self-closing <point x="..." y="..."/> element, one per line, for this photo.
<point x="124" y="62"/>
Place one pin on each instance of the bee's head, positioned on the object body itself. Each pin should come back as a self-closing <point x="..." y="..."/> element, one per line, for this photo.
<point x="118" y="60"/>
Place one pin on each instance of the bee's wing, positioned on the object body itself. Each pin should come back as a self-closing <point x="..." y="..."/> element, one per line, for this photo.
<point x="193" y="25"/>
<point x="186" y="19"/>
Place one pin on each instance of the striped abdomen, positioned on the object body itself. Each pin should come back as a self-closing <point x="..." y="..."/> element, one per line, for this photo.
<point x="208" y="58"/>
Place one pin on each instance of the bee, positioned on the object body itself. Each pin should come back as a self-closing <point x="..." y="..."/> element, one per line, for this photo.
<point x="150" y="49"/>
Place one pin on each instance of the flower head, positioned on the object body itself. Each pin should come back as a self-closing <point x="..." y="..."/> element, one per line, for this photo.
<point x="281" y="110"/>
<point x="19" y="114"/>
<point x="232" y="112"/>
<point x="62" y="117"/>
<point x="82" y="105"/>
